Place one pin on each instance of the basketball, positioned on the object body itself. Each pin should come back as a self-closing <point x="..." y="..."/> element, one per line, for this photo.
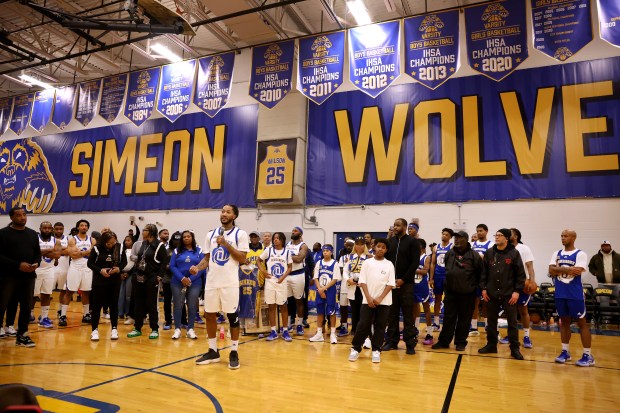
<point x="535" y="318"/>
<point x="530" y="287"/>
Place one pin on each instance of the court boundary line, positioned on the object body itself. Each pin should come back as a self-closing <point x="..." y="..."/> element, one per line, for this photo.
<point x="450" y="392"/>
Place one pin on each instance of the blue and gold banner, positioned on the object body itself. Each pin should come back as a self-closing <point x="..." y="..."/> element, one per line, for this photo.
<point x="374" y="56"/>
<point x="213" y="82"/>
<point x="22" y="106"/>
<point x="272" y="72"/>
<point x="275" y="170"/>
<point x="6" y="106"/>
<point x="191" y="164"/>
<point x="141" y="93"/>
<point x="432" y="47"/>
<point x="544" y="133"/>
<point x="42" y="108"/>
<point x="63" y="107"/>
<point x="88" y="98"/>
<point x="496" y="37"/>
<point x="175" y="89"/>
<point x="609" y="18"/>
<point x="112" y="95"/>
<point x="320" y="65"/>
<point x="561" y="29"/>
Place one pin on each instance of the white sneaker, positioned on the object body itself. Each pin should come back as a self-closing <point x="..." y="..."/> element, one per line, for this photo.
<point x="106" y="316"/>
<point x="376" y="356"/>
<point x="94" y="336"/>
<point x="353" y="355"/>
<point x="318" y="337"/>
<point x="114" y="334"/>
<point x="367" y="343"/>
<point x="177" y="334"/>
<point x="11" y="331"/>
<point x="201" y="302"/>
<point x="2" y="333"/>
<point x="333" y="339"/>
<point x="190" y="334"/>
<point x="128" y="321"/>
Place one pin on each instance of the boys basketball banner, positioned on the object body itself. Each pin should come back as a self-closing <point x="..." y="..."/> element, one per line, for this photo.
<point x="175" y="89"/>
<point x="22" y="106"/>
<point x="275" y="170"/>
<point x="544" y="133"/>
<point x="88" y="97"/>
<point x="112" y="95"/>
<point x="561" y="29"/>
<point x="374" y="56"/>
<point x="213" y="82"/>
<point x="609" y="17"/>
<point x="140" y="100"/>
<point x="272" y="72"/>
<point x="42" y="109"/>
<point x="432" y="47"/>
<point x="320" y="68"/>
<point x="6" y="105"/>
<point x="496" y="37"/>
<point x="63" y="107"/>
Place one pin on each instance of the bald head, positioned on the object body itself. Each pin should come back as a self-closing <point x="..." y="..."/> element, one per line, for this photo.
<point x="568" y="239"/>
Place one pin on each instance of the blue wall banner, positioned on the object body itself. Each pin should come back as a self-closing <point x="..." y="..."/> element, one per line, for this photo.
<point x="42" y="108"/>
<point x="320" y="65"/>
<point x="63" y="107"/>
<point x="561" y="29"/>
<point x="272" y="72"/>
<point x="88" y="98"/>
<point x="191" y="164"/>
<point x="609" y="18"/>
<point x="374" y="56"/>
<point x="22" y="106"/>
<point x="275" y="170"/>
<point x="6" y="106"/>
<point x="544" y="133"/>
<point x="112" y="95"/>
<point x="432" y="47"/>
<point x="175" y="88"/>
<point x="213" y="82"/>
<point x="141" y="93"/>
<point x="496" y="37"/>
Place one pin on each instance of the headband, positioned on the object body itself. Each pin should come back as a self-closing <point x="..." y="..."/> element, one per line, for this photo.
<point x="329" y="248"/>
<point x="299" y="229"/>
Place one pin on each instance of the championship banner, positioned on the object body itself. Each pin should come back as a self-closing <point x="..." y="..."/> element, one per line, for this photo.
<point x="175" y="89"/>
<point x="545" y="133"/>
<point x="88" y="97"/>
<point x="213" y="82"/>
<point x="42" y="109"/>
<point x="561" y="29"/>
<point x="22" y="106"/>
<point x="432" y="47"/>
<point x="272" y="72"/>
<point x="6" y="106"/>
<point x="374" y="56"/>
<point x="496" y="38"/>
<point x="141" y="94"/>
<point x="191" y="164"/>
<point x="609" y="18"/>
<point x="112" y="95"/>
<point x="275" y="166"/>
<point x="63" y="107"/>
<point x="320" y="66"/>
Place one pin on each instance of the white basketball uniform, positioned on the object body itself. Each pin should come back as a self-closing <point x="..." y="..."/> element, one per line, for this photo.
<point x="60" y="271"/>
<point x="44" y="283"/>
<point x="276" y="262"/>
<point x="79" y="276"/>
<point x="296" y="281"/>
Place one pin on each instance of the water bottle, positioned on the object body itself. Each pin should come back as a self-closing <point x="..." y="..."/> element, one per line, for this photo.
<point x="222" y="333"/>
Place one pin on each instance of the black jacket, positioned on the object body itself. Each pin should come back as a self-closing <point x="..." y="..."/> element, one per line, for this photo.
<point x="597" y="268"/>
<point x="404" y="252"/>
<point x="100" y="257"/>
<point x="503" y="272"/>
<point x="463" y="270"/>
<point x="17" y="246"/>
<point x="156" y="257"/>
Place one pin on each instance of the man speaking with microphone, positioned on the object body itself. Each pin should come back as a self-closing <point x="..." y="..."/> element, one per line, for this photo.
<point x="226" y="248"/>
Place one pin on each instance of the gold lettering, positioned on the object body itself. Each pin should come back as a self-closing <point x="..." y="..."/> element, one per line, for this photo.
<point x="146" y="162"/>
<point x="79" y="190"/>
<point x="213" y="161"/>
<point x="447" y="111"/>
<point x="94" y="185"/>
<point x="167" y="183"/>
<point x="119" y="166"/>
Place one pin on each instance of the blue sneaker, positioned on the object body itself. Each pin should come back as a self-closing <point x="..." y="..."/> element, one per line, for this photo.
<point x="167" y="327"/>
<point x="504" y="340"/>
<point x="527" y="343"/>
<point x="300" y="330"/>
<point x="435" y="327"/>
<point x="199" y="319"/>
<point x="221" y="319"/>
<point x="585" y="361"/>
<point x="563" y="357"/>
<point x="272" y="336"/>
<point x="343" y="331"/>
<point x="46" y="323"/>
<point x="286" y="336"/>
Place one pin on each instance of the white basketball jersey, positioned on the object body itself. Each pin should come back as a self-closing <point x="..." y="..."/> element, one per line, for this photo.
<point x="46" y="263"/>
<point x="224" y="269"/>
<point x="82" y="245"/>
<point x="276" y="261"/>
<point x="298" y="267"/>
<point x="63" y="261"/>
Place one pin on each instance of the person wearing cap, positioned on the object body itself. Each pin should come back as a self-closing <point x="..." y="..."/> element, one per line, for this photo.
<point x="256" y="249"/>
<point x="463" y="271"/>
<point x="503" y="278"/>
<point x="343" y="261"/>
<point x="350" y="276"/>
<point x="296" y="280"/>
<point x="605" y="265"/>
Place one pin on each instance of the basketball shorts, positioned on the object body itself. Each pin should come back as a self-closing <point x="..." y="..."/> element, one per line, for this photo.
<point x="421" y="291"/>
<point x="295" y="286"/>
<point x="275" y="293"/>
<point x="439" y="284"/>
<point x="567" y="307"/>
<point x="79" y="278"/>
<point x="44" y="283"/>
<point x="60" y="276"/>
<point x="524" y="299"/>
<point x="224" y="299"/>
<point x="327" y="305"/>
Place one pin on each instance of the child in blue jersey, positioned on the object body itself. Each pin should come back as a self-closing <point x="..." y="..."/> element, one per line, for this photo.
<point x="422" y="293"/>
<point x="326" y="275"/>
<point x="438" y="271"/>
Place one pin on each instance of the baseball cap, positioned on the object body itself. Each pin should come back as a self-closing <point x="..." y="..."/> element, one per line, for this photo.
<point x="605" y="243"/>
<point x="349" y="241"/>
<point x="461" y="234"/>
<point x="255" y="233"/>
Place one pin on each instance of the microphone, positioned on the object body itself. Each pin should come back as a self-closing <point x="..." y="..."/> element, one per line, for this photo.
<point x="220" y="233"/>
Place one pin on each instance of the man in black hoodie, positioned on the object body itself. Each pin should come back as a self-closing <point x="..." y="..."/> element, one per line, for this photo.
<point x="463" y="270"/>
<point x="502" y="280"/>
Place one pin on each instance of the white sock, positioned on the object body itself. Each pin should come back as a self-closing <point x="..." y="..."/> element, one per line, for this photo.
<point x="273" y="328"/>
<point x="45" y="311"/>
<point x="319" y="330"/>
<point x="474" y="323"/>
<point x="565" y="346"/>
<point x="86" y="308"/>
<point x="526" y="332"/>
<point x="333" y="330"/>
<point x="429" y="330"/>
<point x="417" y="323"/>
<point x="436" y="320"/>
<point x="298" y="320"/>
<point x="235" y="345"/>
<point x="63" y="309"/>
<point x="587" y="351"/>
<point x="213" y="343"/>
<point x="32" y="313"/>
<point x="284" y="328"/>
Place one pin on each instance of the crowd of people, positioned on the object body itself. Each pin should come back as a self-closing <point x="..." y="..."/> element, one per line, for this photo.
<point x="376" y="281"/>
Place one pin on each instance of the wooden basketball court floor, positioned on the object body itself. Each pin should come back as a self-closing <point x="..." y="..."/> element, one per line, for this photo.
<point x="72" y="374"/>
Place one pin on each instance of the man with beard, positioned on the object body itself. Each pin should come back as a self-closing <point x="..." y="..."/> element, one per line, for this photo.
<point x="79" y="276"/>
<point x="297" y="278"/>
<point x="44" y="283"/>
<point x="62" y="263"/>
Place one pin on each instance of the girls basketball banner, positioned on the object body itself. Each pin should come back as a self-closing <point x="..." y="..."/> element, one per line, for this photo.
<point x="432" y="47"/>
<point x="275" y="170"/>
<point x="22" y="106"/>
<point x="561" y="29"/>
<point x="112" y="96"/>
<point x="213" y="83"/>
<point x="320" y="68"/>
<point x="374" y="56"/>
<point x="63" y="106"/>
<point x="6" y="105"/>
<point x="88" y="97"/>
<point x="496" y="38"/>
<point x="175" y="89"/>
<point x="609" y="18"/>
<point x="140" y="100"/>
<point x="42" y="109"/>
<point x="272" y="72"/>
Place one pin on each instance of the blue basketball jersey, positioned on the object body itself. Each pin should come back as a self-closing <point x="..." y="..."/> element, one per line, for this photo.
<point x="440" y="268"/>
<point x="568" y="286"/>
<point x="248" y="288"/>
<point x="326" y="272"/>
<point x="421" y="277"/>
<point x="481" y="247"/>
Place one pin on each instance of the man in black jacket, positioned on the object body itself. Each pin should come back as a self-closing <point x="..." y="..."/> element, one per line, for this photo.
<point x="463" y="270"/>
<point x="404" y="253"/>
<point x="605" y="265"/>
<point x="502" y="279"/>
